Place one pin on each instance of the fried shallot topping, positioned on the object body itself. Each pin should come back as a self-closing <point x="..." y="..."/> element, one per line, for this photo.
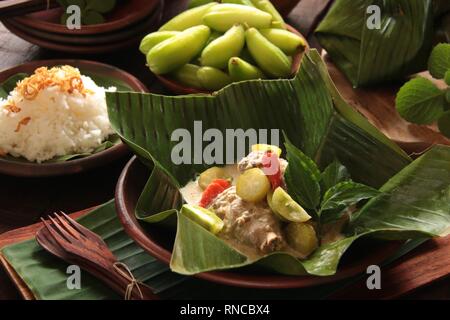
<point x="12" y="108"/>
<point x="21" y="123"/>
<point x="67" y="78"/>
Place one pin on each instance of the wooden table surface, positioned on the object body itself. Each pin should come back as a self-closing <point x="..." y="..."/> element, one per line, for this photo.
<point x="23" y="201"/>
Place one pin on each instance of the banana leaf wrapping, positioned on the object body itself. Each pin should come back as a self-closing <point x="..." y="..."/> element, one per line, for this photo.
<point x="399" y="48"/>
<point x="315" y="118"/>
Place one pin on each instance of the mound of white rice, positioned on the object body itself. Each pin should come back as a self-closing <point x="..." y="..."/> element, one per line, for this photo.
<point x="55" y="122"/>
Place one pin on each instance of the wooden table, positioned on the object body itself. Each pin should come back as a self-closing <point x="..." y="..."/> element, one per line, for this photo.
<point x="23" y="201"/>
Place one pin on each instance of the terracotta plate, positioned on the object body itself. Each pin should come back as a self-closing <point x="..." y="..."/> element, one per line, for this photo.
<point x="114" y="76"/>
<point x="158" y="242"/>
<point x="132" y="31"/>
<point x="178" y="88"/>
<point x="87" y="44"/>
<point x="126" y="13"/>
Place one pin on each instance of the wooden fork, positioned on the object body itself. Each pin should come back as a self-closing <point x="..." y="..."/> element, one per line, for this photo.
<point x="67" y="239"/>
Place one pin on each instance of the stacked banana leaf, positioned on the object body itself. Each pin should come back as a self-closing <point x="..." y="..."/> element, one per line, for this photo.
<point x="311" y="113"/>
<point x="401" y="45"/>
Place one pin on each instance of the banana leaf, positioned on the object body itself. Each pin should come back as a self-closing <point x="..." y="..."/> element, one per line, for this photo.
<point x="413" y="205"/>
<point x="370" y="56"/>
<point x="312" y="114"/>
<point x="46" y="275"/>
<point x="9" y="84"/>
<point x="308" y="109"/>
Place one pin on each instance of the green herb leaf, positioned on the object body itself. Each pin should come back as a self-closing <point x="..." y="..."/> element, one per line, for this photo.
<point x="92" y="17"/>
<point x="334" y="174"/>
<point x="345" y="194"/>
<point x="447" y="77"/>
<point x="100" y="6"/>
<point x="302" y="177"/>
<point x="420" y="101"/>
<point x="444" y="124"/>
<point x="439" y="62"/>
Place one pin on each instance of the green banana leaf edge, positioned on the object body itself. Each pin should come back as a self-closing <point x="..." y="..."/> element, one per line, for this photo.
<point x="316" y="119"/>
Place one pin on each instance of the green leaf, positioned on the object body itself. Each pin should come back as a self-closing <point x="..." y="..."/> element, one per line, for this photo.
<point x="92" y="17"/>
<point x="414" y="202"/>
<point x="333" y="174"/>
<point x="447" y="77"/>
<point x="302" y="178"/>
<point x="439" y="62"/>
<point x="100" y="6"/>
<point x="370" y="56"/>
<point x="444" y="124"/>
<point x="344" y="195"/>
<point x="311" y="113"/>
<point x="9" y="84"/>
<point x="159" y="199"/>
<point x="420" y="101"/>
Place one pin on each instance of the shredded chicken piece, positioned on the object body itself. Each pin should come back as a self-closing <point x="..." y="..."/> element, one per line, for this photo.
<point x="252" y="224"/>
<point x="21" y="123"/>
<point x="255" y="160"/>
<point x="67" y="78"/>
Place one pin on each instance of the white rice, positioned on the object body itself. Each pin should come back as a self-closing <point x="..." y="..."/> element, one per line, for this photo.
<point x="60" y="123"/>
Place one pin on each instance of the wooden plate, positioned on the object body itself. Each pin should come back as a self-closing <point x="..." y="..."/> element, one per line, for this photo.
<point x="139" y="29"/>
<point x="88" y="44"/>
<point x="178" y="88"/>
<point x="30" y="169"/>
<point x="126" y="13"/>
<point x="377" y="104"/>
<point x="159" y="241"/>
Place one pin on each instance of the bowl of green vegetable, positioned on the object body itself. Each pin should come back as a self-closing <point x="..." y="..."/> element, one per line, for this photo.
<point x="213" y="45"/>
<point x="97" y="16"/>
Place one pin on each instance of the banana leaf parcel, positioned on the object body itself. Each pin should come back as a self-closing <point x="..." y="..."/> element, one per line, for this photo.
<point x="315" y="119"/>
<point x="368" y="53"/>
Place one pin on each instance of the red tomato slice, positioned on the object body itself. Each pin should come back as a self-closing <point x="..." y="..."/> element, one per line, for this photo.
<point x="272" y="169"/>
<point x="212" y="191"/>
